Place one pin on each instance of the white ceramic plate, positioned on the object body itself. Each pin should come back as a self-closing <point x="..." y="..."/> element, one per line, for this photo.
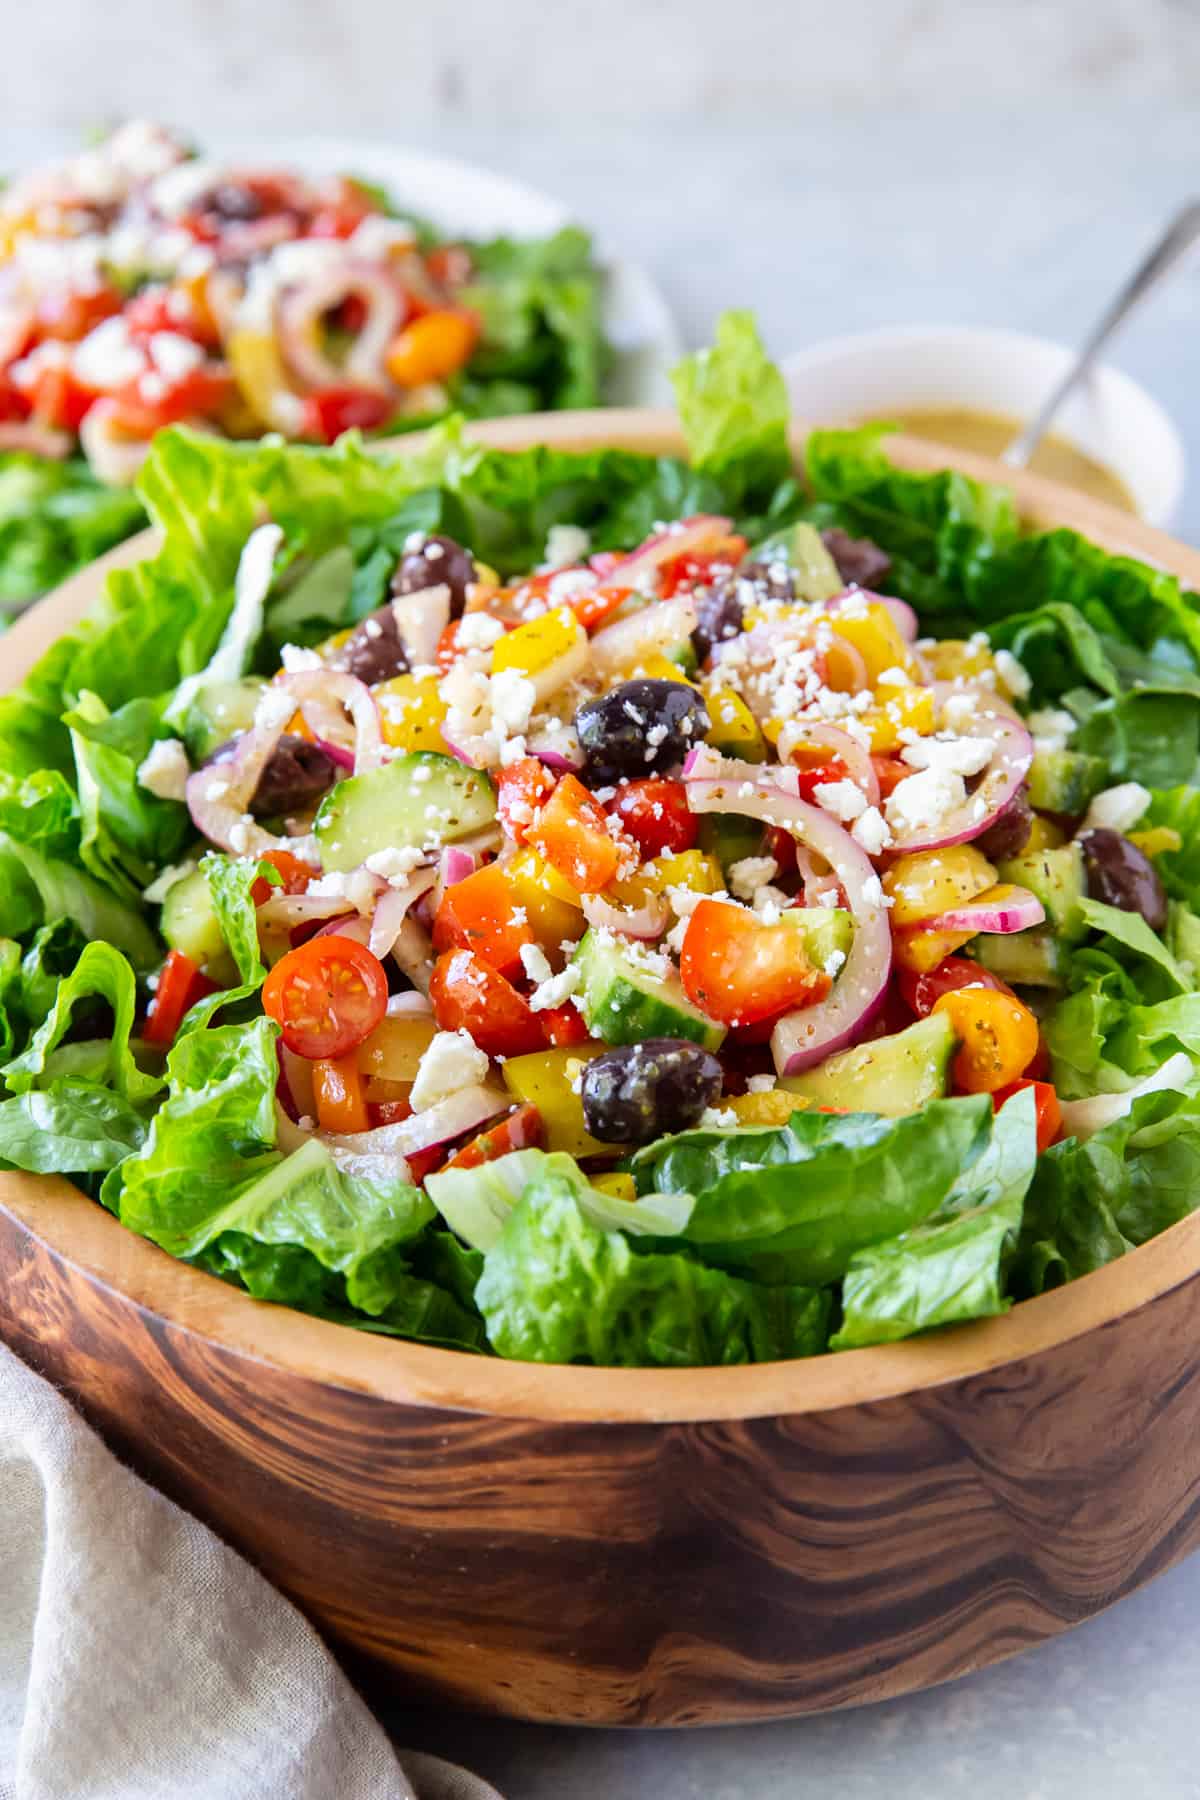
<point x="474" y="201"/>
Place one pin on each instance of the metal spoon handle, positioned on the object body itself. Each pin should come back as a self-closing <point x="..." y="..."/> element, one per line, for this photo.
<point x="1180" y="235"/>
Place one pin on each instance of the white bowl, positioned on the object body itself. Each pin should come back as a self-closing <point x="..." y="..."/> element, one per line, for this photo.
<point x="930" y="366"/>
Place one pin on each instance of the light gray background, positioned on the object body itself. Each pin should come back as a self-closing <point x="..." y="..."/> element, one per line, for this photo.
<point x="835" y="167"/>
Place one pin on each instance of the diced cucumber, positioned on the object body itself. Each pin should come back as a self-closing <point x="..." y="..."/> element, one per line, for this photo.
<point x="814" y="572"/>
<point x="1057" y="878"/>
<point x="893" y="1076"/>
<point x="1022" y="958"/>
<point x="218" y="712"/>
<point x="1063" y="781"/>
<point x="623" y="1001"/>
<point x="684" y="657"/>
<point x="189" y="923"/>
<point x="413" y="801"/>
<point x="828" y="931"/>
<point x="730" y="837"/>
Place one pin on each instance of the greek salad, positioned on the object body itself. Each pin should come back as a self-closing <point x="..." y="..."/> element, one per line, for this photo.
<point x="614" y="909"/>
<point x="143" y="285"/>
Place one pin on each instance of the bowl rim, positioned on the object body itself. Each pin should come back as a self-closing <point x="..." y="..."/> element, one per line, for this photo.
<point x="82" y="1237"/>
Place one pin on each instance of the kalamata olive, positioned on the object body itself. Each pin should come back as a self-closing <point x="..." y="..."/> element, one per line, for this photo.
<point x="639" y="1092"/>
<point x="719" y="613"/>
<point x="296" y="776"/>
<point x="1119" y="875"/>
<point x="1008" y="835"/>
<point x="434" y="562"/>
<point x="375" y="651"/>
<point x="231" y="201"/>
<point x="860" y="563"/>
<point x="640" y="728"/>
<point x="773" y="580"/>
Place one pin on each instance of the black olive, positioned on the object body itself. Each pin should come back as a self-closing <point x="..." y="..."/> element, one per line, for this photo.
<point x="860" y="563"/>
<point x="1008" y="835"/>
<point x="639" y="1092"/>
<point x="773" y="580"/>
<point x="1119" y="875"/>
<point x="296" y="776"/>
<point x="437" y="561"/>
<point x="719" y="614"/>
<point x="375" y="651"/>
<point x="231" y="202"/>
<point x="640" y="728"/>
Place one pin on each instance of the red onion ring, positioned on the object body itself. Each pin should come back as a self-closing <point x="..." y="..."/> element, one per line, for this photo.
<point x="999" y="909"/>
<point x="997" y="784"/>
<point x="657" y="627"/>
<point x="302" y="308"/>
<point x="856" y="758"/>
<point x="318" y="692"/>
<point x="810" y="1034"/>
<point x="438" y="1124"/>
<point x="337" y="753"/>
<point x="647" y="921"/>
<point x="219" y="793"/>
<point x="688" y="535"/>
<point x="392" y="910"/>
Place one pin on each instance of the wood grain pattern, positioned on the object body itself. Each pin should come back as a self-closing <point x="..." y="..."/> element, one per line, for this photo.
<point x="644" y="1547"/>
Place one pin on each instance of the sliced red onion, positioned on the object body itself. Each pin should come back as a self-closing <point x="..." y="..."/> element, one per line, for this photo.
<point x="688" y="537"/>
<point x="303" y="308"/>
<point x="285" y="911"/>
<point x="411" y="954"/>
<point x="554" y="759"/>
<point x="392" y="910"/>
<point x="35" y="440"/>
<point x="658" y="627"/>
<point x="321" y="693"/>
<point x="439" y="1124"/>
<point x="833" y="738"/>
<point x="649" y="920"/>
<point x="113" y="455"/>
<point x="355" y="926"/>
<point x="815" y="883"/>
<point x="999" y="909"/>
<point x="810" y="1034"/>
<point x="603" y="563"/>
<point x="902" y="613"/>
<point x="219" y="794"/>
<point x="409" y="1005"/>
<point x="1011" y="756"/>
<point x="337" y="753"/>
<point x="421" y="618"/>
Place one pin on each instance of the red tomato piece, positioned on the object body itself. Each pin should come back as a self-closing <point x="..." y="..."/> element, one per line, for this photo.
<point x="563" y="1026"/>
<point x="656" y="814"/>
<point x="522" y="789"/>
<point x="467" y="995"/>
<point x="521" y="1130"/>
<point x="449" y="264"/>
<point x="160" y="308"/>
<point x="481" y="913"/>
<point x="1046" y="1108"/>
<point x="808" y="780"/>
<point x="294" y="875"/>
<point x="326" y="996"/>
<point x="694" y="567"/>
<point x="69" y="315"/>
<point x="782" y="846"/>
<point x="180" y="985"/>
<point x="13" y="403"/>
<point x="338" y="1093"/>
<point x="200" y="394"/>
<point x="572" y="834"/>
<point x="332" y="410"/>
<point x="921" y="993"/>
<point x="740" y="971"/>
<point x="59" y="399"/>
<point x="423" y="1162"/>
<point x="593" y="608"/>
<point x="889" y="772"/>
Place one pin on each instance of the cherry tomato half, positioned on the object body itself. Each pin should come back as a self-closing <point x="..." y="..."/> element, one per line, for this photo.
<point x="921" y="993"/>
<point x="1046" y="1108"/>
<point x="294" y="875"/>
<point x="740" y="971"/>
<point x="998" y="1038"/>
<point x="332" y="410"/>
<point x="655" y="812"/>
<point x="468" y="995"/>
<point x="522" y="788"/>
<point x="326" y="997"/>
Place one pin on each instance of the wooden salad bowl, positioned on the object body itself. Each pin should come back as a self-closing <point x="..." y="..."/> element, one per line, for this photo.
<point x="643" y="1547"/>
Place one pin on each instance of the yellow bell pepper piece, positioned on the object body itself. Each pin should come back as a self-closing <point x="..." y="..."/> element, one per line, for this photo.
<point x="695" y="869"/>
<point x="951" y="657"/>
<point x="534" y="647"/>
<point x="262" y="379"/>
<point x="411" y="712"/>
<point x="553" y="907"/>
<point x="930" y="882"/>
<point x="772" y="1108"/>
<point x="875" y="635"/>
<point x="735" y="730"/>
<point x="1046" y="835"/>
<point x="660" y="668"/>
<point x="1156" y="840"/>
<point x="924" y="950"/>
<point x="547" y="1079"/>
<point x="394" y="1049"/>
<point x="617" y="1183"/>
<point x="904" y="709"/>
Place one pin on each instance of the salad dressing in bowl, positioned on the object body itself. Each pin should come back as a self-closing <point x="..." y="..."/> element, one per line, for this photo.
<point x="988" y="434"/>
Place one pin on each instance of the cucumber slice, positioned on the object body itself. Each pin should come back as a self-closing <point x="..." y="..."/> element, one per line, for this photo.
<point x="1063" y="781"/>
<point x="218" y="712"/>
<point x="189" y="924"/>
<point x="625" y="996"/>
<point x="893" y="1076"/>
<point x="1022" y="958"/>
<point x="730" y="837"/>
<point x="413" y="801"/>
<point x="1057" y="878"/>
<point x="828" y="931"/>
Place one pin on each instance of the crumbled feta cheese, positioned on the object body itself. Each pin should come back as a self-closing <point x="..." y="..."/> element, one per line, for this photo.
<point x="834" y="961"/>
<point x="718" y="1118"/>
<point x="844" y="799"/>
<point x="355" y="886"/>
<point x="566" y="544"/>
<point x="959" y="710"/>
<point x="872" y="891"/>
<point x="165" y="771"/>
<point x="1012" y="675"/>
<point x="108" y="357"/>
<point x="513" y="698"/>
<point x="760" y="1084"/>
<point x="296" y="660"/>
<point x="555" y="990"/>
<point x="375" y="238"/>
<point x="870" y="831"/>
<point x="535" y="963"/>
<point x="241" y="835"/>
<point x="569" y="584"/>
<point x="274" y="710"/>
<point x="1117" y="808"/>
<point x="894" y="678"/>
<point x="750" y="873"/>
<point x="478" y="631"/>
<point x="395" y="866"/>
<point x="1051" y="728"/>
<point x="173" y="355"/>
<point x="921" y="801"/>
<point x="950" y="756"/>
<point x="452" y="1062"/>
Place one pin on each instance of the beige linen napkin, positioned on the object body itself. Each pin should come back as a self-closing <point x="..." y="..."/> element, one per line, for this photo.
<point x="141" y="1659"/>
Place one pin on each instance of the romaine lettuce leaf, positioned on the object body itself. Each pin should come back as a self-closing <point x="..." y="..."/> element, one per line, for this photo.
<point x="733" y="403"/>
<point x="230" y="884"/>
<point x="54" y="518"/>
<point x="101" y="973"/>
<point x="37" y="889"/>
<point x="72" y="1128"/>
<point x="556" y="1288"/>
<point x="794" y="1203"/>
<point x="127" y="833"/>
<point x="476" y="1202"/>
